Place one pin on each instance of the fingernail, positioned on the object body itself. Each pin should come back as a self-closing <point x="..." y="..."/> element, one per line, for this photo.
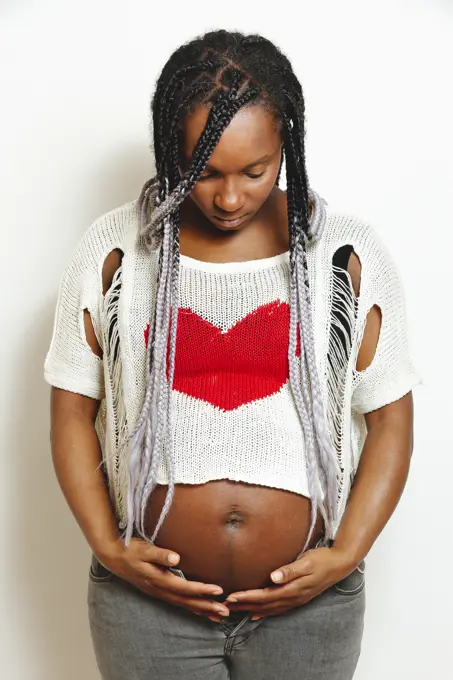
<point x="232" y="599"/>
<point x="223" y="612"/>
<point x="255" y="618"/>
<point x="216" y="591"/>
<point x="173" y="558"/>
<point x="277" y="576"/>
<point x="214" y="618"/>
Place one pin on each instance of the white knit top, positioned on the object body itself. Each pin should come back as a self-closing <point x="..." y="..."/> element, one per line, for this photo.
<point x="233" y="413"/>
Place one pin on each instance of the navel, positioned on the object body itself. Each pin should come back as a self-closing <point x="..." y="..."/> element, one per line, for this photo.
<point x="234" y="519"/>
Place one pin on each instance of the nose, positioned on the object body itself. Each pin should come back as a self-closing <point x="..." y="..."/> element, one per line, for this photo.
<point x="229" y="198"/>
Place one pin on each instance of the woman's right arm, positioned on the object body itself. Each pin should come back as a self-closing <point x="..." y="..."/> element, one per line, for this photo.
<point x="76" y="455"/>
<point x="74" y="369"/>
<point x="77" y="459"/>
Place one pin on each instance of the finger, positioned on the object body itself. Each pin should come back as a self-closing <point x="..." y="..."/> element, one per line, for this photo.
<point x="153" y="554"/>
<point x="175" y="584"/>
<point x="200" y="606"/>
<point x="259" y="596"/>
<point x="289" y="572"/>
<point x="210" y="608"/>
<point x="278" y="607"/>
<point x="256" y="607"/>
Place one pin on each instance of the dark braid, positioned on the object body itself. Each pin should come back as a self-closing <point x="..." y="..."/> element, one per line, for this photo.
<point x="226" y="71"/>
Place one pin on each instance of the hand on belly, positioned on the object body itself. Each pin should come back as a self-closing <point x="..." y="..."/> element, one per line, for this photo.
<point x="231" y="533"/>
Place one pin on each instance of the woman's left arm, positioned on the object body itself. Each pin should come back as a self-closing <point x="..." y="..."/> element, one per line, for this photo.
<point x="378" y="484"/>
<point x="379" y="481"/>
<point x="385" y="459"/>
<point x="383" y="394"/>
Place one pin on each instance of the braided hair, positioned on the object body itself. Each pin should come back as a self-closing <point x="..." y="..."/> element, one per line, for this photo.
<point x="227" y="71"/>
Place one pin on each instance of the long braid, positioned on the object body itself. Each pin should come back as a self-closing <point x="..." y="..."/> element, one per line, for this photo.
<point x="226" y="70"/>
<point x="174" y="323"/>
<point x="223" y="116"/>
<point x="152" y="451"/>
<point x="298" y="369"/>
<point x="151" y="474"/>
<point x="320" y="459"/>
<point x="146" y="449"/>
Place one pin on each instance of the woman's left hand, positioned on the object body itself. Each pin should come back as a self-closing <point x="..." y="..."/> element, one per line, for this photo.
<point x="301" y="581"/>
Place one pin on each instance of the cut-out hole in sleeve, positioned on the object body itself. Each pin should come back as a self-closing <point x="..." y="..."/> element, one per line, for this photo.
<point x="370" y="339"/>
<point x="372" y="330"/>
<point x="111" y="264"/>
<point x="341" y="329"/>
<point x="90" y="334"/>
<point x="111" y="288"/>
<point x="343" y="307"/>
<point x="355" y="272"/>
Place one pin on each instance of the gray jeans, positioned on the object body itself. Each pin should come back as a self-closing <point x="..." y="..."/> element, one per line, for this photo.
<point x="138" y="637"/>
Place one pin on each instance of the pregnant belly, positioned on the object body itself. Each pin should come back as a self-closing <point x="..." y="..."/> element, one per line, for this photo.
<point x="232" y="534"/>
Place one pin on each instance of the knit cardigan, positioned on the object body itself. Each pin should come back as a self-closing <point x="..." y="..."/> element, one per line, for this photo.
<point x="121" y="321"/>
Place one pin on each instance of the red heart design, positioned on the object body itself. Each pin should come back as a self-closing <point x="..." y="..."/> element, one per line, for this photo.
<point x="228" y="369"/>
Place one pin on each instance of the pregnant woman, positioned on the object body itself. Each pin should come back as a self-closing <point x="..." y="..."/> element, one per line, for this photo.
<point x="231" y="391"/>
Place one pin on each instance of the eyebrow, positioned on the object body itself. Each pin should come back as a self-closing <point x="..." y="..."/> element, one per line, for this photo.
<point x="263" y="159"/>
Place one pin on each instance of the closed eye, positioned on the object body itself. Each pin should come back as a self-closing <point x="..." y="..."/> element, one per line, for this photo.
<point x="249" y="174"/>
<point x="212" y="174"/>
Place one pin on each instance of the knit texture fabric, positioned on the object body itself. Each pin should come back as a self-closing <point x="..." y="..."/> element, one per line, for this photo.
<point x="234" y="415"/>
<point x="233" y="412"/>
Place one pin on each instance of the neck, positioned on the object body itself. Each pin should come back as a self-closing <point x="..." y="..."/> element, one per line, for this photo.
<point x="266" y="235"/>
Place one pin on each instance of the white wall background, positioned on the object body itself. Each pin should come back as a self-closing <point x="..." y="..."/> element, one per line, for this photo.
<point x="76" y="79"/>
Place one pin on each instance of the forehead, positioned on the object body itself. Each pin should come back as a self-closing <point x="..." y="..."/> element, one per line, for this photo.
<point x="251" y="134"/>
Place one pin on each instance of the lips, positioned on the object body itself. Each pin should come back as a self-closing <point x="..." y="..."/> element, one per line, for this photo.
<point x="236" y="220"/>
<point x="223" y="219"/>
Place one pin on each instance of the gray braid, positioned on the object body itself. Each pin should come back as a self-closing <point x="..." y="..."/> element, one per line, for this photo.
<point x="181" y="88"/>
<point x="154" y="429"/>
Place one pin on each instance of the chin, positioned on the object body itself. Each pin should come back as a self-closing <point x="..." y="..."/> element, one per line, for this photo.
<point x="225" y="228"/>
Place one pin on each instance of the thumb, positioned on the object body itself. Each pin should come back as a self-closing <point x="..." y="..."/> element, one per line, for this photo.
<point x="285" y="574"/>
<point x="162" y="556"/>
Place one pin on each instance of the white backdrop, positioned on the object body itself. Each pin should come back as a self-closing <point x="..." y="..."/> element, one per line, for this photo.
<point x="76" y="79"/>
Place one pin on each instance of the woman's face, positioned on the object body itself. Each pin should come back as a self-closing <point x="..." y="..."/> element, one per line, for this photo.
<point x="242" y="170"/>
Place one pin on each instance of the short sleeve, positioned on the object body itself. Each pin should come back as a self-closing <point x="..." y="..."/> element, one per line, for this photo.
<point x="70" y="363"/>
<point x="391" y="375"/>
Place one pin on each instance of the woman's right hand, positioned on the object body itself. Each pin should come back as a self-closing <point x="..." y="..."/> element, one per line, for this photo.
<point x="140" y="564"/>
